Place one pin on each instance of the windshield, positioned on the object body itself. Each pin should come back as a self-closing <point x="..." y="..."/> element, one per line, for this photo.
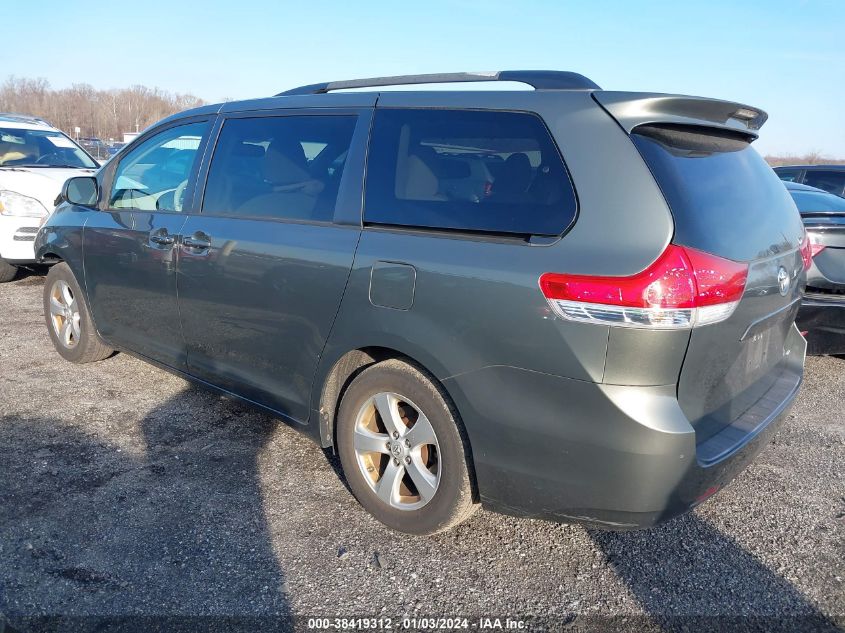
<point x="817" y="202"/>
<point x="22" y="147"/>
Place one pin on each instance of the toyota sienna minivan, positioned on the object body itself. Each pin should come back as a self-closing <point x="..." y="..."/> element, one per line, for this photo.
<point x="564" y="302"/>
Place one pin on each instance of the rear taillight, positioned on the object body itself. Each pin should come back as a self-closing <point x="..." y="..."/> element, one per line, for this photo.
<point x="682" y="289"/>
<point x="810" y="247"/>
<point x="807" y="253"/>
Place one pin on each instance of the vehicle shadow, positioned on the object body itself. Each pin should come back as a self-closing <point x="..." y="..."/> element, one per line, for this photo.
<point x="690" y="576"/>
<point x="33" y="274"/>
<point x="163" y="530"/>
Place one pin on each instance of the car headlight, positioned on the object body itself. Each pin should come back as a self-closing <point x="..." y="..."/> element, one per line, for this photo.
<point x="12" y="203"/>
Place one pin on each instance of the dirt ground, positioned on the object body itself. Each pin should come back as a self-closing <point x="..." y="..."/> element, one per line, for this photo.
<point x="132" y="500"/>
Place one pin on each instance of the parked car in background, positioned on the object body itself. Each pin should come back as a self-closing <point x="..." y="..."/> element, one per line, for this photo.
<point x="35" y="159"/>
<point x="830" y="178"/>
<point x="412" y="279"/>
<point x="95" y="147"/>
<point x="822" y="314"/>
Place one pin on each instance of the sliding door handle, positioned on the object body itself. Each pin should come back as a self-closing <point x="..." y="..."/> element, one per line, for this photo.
<point x="161" y="238"/>
<point x="198" y="241"/>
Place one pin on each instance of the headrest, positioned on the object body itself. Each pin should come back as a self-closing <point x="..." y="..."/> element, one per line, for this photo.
<point x="420" y="182"/>
<point x="248" y="150"/>
<point x="285" y="163"/>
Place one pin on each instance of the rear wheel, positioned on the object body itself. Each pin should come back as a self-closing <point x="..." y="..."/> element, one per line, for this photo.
<point x="68" y="319"/>
<point x="7" y="271"/>
<point x="402" y="451"/>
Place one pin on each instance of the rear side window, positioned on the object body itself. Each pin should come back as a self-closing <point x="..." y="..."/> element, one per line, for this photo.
<point x="467" y="170"/>
<point x="725" y="199"/>
<point x="789" y="175"/>
<point x="832" y="181"/>
<point x="284" y="167"/>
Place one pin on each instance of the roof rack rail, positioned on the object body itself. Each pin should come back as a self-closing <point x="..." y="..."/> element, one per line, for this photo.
<point x="538" y="79"/>
<point x="22" y="118"/>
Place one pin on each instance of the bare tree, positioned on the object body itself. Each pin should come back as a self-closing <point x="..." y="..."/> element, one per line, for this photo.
<point x="811" y="158"/>
<point x="101" y="113"/>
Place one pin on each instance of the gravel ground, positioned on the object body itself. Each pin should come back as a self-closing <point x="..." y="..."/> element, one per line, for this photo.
<point x="126" y="491"/>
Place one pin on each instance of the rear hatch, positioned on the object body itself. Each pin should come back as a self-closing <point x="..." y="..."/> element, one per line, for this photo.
<point x="726" y="201"/>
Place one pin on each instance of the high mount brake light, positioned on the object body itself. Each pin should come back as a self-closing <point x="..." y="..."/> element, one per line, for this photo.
<point x="684" y="288"/>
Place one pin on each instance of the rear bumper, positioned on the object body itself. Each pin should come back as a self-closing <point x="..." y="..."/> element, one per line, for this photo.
<point x="823" y="318"/>
<point x="614" y="457"/>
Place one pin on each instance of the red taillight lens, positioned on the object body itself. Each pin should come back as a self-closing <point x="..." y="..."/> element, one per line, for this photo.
<point x="717" y="280"/>
<point x="810" y="248"/>
<point x="684" y="287"/>
<point x="668" y="282"/>
<point x="807" y="253"/>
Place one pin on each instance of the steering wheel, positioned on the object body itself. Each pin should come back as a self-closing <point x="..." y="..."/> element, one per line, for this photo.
<point x="43" y="156"/>
<point x="179" y="195"/>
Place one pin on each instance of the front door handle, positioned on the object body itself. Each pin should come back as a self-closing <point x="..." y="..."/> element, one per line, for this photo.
<point x="199" y="241"/>
<point x="161" y="238"/>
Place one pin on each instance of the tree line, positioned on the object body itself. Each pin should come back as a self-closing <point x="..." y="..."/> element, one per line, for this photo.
<point x="105" y="114"/>
<point x="811" y="158"/>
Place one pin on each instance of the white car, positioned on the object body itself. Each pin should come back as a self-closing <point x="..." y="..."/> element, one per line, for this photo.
<point x="35" y="161"/>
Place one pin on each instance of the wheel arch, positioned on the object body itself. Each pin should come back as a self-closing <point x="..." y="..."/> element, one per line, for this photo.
<point x="50" y="257"/>
<point x="344" y="370"/>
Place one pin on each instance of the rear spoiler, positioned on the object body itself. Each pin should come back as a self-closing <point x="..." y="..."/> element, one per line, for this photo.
<point x="631" y="109"/>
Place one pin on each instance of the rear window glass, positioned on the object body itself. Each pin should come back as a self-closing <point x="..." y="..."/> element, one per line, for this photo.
<point x="496" y="172"/>
<point x="725" y="199"/>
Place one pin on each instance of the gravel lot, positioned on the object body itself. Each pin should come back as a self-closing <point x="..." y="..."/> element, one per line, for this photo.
<point x="126" y="491"/>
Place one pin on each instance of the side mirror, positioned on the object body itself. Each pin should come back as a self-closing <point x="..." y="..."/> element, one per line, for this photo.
<point x="81" y="191"/>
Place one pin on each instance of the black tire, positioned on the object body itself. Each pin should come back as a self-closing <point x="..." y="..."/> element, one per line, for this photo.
<point x="88" y="347"/>
<point x="452" y="502"/>
<point x="7" y="271"/>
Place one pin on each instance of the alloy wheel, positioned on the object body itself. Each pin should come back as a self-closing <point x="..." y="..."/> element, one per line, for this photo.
<point x="64" y="314"/>
<point x="397" y="451"/>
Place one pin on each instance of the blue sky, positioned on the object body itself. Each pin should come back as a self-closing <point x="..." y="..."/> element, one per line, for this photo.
<point x="786" y="56"/>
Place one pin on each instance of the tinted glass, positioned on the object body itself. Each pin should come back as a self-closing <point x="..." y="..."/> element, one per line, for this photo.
<point x="279" y="167"/>
<point x="497" y="172"/>
<point x="789" y="175"/>
<point x="154" y="175"/>
<point x="38" y="147"/>
<point x="832" y="181"/>
<point x="811" y="201"/>
<point x="725" y="199"/>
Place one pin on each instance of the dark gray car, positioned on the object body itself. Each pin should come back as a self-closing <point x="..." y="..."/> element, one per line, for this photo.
<point x="822" y="314"/>
<point x="830" y="178"/>
<point x="565" y="303"/>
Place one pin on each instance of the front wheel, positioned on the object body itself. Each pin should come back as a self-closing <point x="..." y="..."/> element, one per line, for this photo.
<point x="7" y="271"/>
<point x="68" y="319"/>
<point x="402" y="451"/>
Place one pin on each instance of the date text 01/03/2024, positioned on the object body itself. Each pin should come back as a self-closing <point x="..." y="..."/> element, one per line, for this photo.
<point x="417" y="623"/>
